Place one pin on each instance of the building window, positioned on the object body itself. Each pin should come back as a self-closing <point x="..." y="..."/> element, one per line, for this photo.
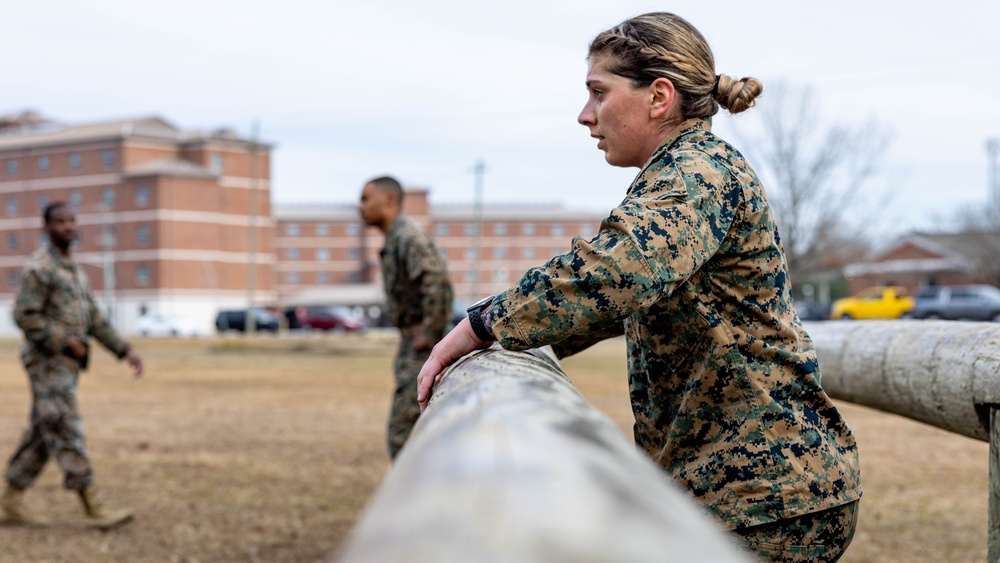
<point x="12" y="278"/>
<point x="322" y="230"/>
<point x="43" y="200"/>
<point x="557" y="229"/>
<point x="108" y="197"/>
<point x="470" y="229"/>
<point x="293" y="253"/>
<point x="500" y="252"/>
<point x="529" y="252"/>
<point x="142" y="196"/>
<point x="43" y="164"/>
<point x="353" y="277"/>
<point x="74" y="161"/>
<point x="586" y="230"/>
<point x="293" y="277"/>
<point x="12" y="205"/>
<point x="500" y="275"/>
<point x="557" y="251"/>
<point x="441" y="229"/>
<point x="322" y="254"/>
<point x="13" y="241"/>
<point x="142" y="275"/>
<point x="471" y="253"/>
<point x="43" y="239"/>
<point x="470" y="276"/>
<point x="216" y="166"/>
<point x="528" y="229"/>
<point x="142" y="234"/>
<point x="292" y="229"/>
<point x="353" y="230"/>
<point x="500" y="229"/>
<point x="353" y="253"/>
<point x="11" y="167"/>
<point x="323" y="277"/>
<point x="108" y="158"/>
<point x="75" y="198"/>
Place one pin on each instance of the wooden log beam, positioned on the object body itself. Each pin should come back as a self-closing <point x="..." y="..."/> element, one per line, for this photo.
<point x="943" y="373"/>
<point x="510" y="463"/>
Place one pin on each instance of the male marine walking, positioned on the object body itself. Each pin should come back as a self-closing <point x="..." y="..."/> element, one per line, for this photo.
<point x="57" y="313"/>
<point x="418" y="296"/>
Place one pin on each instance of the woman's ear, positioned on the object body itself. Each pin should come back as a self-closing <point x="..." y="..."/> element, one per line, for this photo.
<point x="662" y="98"/>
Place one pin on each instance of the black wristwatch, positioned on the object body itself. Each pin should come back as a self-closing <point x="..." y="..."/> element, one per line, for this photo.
<point x="476" y="319"/>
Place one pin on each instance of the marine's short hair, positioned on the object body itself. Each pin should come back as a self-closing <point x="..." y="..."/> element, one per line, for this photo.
<point x="51" y="208"/>
<point x="389" y="185"/>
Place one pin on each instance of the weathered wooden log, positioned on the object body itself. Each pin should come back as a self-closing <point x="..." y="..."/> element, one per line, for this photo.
<point x="946" y="374"/>
<point x="943" y="373"/>
<point x="509" y="463"/>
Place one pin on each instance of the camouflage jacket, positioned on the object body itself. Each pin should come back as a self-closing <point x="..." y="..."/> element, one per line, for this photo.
<point x="54" y="302"/>
<point x="724" y="382"/>
<point x="416" y="280"/>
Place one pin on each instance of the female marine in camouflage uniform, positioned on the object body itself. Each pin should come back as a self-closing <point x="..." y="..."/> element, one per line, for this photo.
<point x="723" y="379"/>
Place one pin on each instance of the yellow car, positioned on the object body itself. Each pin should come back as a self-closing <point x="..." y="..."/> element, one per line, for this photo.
<point x="883" y="302"/>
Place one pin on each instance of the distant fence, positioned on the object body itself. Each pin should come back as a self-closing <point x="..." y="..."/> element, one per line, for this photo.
<point x="510" y="463"/>
<point x="943" y="373"/>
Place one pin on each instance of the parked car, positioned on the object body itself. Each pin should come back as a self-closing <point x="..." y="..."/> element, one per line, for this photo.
<point x="882" y="302"/>
<point x="812" y="310"/>
<point x="340" y="319"/>
<point x="236" y="320"/>
<point x="969" y="302"/>
<point x="157" y="325"/>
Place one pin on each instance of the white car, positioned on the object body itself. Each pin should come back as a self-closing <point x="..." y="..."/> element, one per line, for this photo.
<point x="167" y="325"/>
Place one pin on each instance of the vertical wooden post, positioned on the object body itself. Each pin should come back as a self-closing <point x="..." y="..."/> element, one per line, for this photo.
<point x="994" y="519"/>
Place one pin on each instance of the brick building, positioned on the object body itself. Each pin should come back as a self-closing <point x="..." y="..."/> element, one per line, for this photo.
<point x="326" y="255"/>
<point x="164" y="214"/>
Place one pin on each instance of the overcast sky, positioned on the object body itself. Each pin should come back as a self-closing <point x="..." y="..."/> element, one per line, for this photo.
<point x="347" y="90"/>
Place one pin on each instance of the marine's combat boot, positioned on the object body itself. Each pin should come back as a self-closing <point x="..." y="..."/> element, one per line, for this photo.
<point x="98" y="516"/>
<point x="12" y="511"/>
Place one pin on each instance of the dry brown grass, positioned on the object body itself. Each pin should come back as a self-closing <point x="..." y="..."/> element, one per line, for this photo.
<point x="266" y="450"/>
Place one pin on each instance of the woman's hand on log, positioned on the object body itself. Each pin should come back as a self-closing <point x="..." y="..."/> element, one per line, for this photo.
<point x="457" y="343"/>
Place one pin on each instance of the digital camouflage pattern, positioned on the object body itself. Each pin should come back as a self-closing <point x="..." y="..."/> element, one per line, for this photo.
<point x="54" y="302"/>
<point x="405" y="410"/>
<point x="724" y="381"/>
<point x="55" y="430"/>
<point x="418" y="299"/>
<point x="817" y="537"/>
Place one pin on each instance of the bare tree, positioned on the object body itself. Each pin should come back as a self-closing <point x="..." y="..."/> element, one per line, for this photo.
<point x="818" y="177"/>
<point x="979" y="229"/>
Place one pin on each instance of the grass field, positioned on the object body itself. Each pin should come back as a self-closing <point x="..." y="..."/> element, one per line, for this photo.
<point x="266" y="450"/>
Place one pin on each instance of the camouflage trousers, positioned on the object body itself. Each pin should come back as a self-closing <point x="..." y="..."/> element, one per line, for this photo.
<point x="405" y="409"/>
<point x="55" y="427"/>
<point x="817" y="537"/>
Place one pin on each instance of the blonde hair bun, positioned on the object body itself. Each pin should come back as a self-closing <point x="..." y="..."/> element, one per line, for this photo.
<point x="737" y="95"/>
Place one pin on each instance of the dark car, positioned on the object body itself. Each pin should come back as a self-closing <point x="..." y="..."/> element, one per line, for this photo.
<point x="812" y="310"/>
<point x="236" y="320"/>
<point x="968" y="302"/>
<point x="339" y="319"/>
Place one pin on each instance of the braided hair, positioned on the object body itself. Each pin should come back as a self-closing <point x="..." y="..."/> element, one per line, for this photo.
<point x="664" y="45"/>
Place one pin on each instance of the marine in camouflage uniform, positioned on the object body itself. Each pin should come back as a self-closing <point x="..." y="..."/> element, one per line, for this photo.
<point x="53" y="303"/>
<point x="418" y="297"/>
<point x="724" y="381"/>
<point x="57" y="312"/>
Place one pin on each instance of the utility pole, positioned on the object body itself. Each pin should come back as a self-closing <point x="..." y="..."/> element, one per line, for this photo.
<point x="250" y="322"/>
<point x="477" y="220"/>
<point x="108" y="262"/>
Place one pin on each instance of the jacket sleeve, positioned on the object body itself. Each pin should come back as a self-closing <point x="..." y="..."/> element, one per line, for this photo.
<point x="665" y="230"/>
<point x="102" y="330"/>
<point x="426" y="268"/>
<point x="44" y="332"/>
